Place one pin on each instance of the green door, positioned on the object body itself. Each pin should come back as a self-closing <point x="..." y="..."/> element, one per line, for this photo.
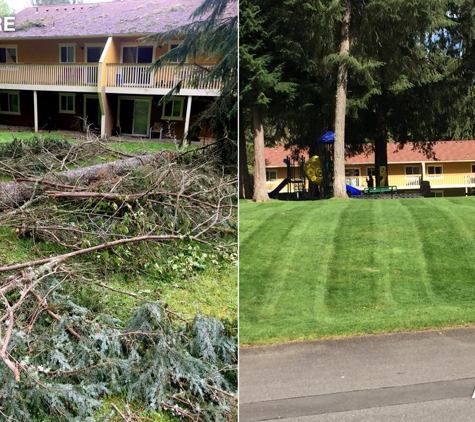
<point x="141" y="117"/>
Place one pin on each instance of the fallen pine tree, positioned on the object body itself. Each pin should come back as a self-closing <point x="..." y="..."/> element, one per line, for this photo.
<point x="16" y="193"/>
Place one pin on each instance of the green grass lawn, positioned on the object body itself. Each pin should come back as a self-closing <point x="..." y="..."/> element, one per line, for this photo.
<point x="137" y="147"/>
<point x="346" y="267"/>
<point x="9" y="136"/>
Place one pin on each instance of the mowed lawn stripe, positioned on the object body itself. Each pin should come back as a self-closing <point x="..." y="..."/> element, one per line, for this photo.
<point x="260" y="250"/>
<point x="278" y="284"/>
<point x="449" y="247"/>
<point x="352" y="278"/>
<point x="410" y="282"/>
<point x="307" y="267"/>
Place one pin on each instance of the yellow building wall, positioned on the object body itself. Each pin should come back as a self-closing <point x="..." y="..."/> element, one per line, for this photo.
<point x="460" y="167"/>
<point x="47" y="51"/>
<point x="112" y="55"/>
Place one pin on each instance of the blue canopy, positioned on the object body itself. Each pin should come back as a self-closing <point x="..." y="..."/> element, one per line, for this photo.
<point x="328" y="138"/>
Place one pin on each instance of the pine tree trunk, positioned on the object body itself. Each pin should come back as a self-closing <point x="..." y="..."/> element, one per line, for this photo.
<point x="260" y="188"/>
<point x="381" y="141"/>
<point x="339" y="185"/>
<point x="14" y="194"/>
<point x="245" y="185"/>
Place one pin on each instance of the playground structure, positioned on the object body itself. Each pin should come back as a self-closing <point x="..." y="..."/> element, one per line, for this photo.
<point x="317" y="170"/>
<point x="295" y="180"/>
<point x="325" y="154"/>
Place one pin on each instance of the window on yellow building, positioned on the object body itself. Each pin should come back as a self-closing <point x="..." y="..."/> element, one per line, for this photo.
<point x="271" y="175"/>
<point x="434" y="170"/>
<point x="410" y="170"/>
<point x="352" y="172"/>
<point x="8" y="55"/>
<point x="137" y="54"/>
<point x="67" y="53"/>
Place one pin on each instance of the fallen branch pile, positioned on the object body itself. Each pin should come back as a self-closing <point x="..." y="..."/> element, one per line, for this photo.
<point x="130" y="216"/>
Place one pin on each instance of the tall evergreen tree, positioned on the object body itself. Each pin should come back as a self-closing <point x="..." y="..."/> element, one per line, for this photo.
<point x="212" y="33"/>
<point x="259" y="80"/>
<point x="399" y="37"/>
<point x="339" y="190"/>
<point x="281" y="71"/>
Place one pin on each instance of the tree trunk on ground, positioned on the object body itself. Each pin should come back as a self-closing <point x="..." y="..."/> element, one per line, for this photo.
<point x="245" y="185"/>
<point x="260" y="188"/>
<point x="339" y="185"/>
<point x="14" y="194"/>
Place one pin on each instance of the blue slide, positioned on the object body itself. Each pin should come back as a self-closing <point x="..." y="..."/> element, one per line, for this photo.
<point x="275" y="192"/>
<point x="352" y="191"/>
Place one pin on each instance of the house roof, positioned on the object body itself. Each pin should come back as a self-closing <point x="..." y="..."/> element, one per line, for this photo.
<point x="442" y="150"/>
<point x="102" y="19"/>
<point x="274" y="156"/>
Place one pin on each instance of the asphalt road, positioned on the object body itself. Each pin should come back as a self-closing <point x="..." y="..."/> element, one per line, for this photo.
<point x="413" y="377"/>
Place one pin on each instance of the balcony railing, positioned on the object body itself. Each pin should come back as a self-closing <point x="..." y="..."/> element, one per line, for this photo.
<point x="54" y="74"/>
<point x="446" y="180"/>
<point x="140" y="76"/>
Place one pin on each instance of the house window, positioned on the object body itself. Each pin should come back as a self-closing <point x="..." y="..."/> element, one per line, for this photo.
<point x="137" y="54"/>
<point x="10" y="102"/>
<point x="434" y="170"/>
<point x="8" y="55"/>
<point x="352" y="172"/>
<point x="173" y="45"/>
<point x="370" y="171"/>
<point x="67" y="53"/>
<point x="411" y="170"/>
<point x="473" y="168"/>
<point x="352" y="177"/>
<point x="67" y="103"/>
<point x="271" y="175"/>
<point x="173" y="109"/>
<point x="93" y="53"/>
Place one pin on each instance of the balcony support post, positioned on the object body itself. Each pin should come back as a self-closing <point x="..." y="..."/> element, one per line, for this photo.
<point x="35" y="109"/>
<point x="187" y="118"/>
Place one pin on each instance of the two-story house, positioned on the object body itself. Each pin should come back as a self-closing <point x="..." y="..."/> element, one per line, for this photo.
<point x="65" y="65"/>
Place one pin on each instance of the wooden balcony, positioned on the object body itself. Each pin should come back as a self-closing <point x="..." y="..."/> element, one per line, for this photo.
<point x="120" y="78"/>
<point x="45" y="76"/>
<point x="124" y="78"/>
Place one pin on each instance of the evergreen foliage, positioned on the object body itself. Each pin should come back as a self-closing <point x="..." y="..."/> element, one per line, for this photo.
<point x="153" y="360"/>
<point x="211" y="35"/>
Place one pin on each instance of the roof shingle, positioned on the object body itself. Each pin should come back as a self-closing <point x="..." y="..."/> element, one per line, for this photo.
<point x="99" y="19"/>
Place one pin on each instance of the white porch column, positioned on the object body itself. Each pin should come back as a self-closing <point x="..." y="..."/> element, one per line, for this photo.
<point x="423" y="170"/>
<point x="187" y="118"/>
<point x="35" y="109"/>
<point x="103" y="126"/>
